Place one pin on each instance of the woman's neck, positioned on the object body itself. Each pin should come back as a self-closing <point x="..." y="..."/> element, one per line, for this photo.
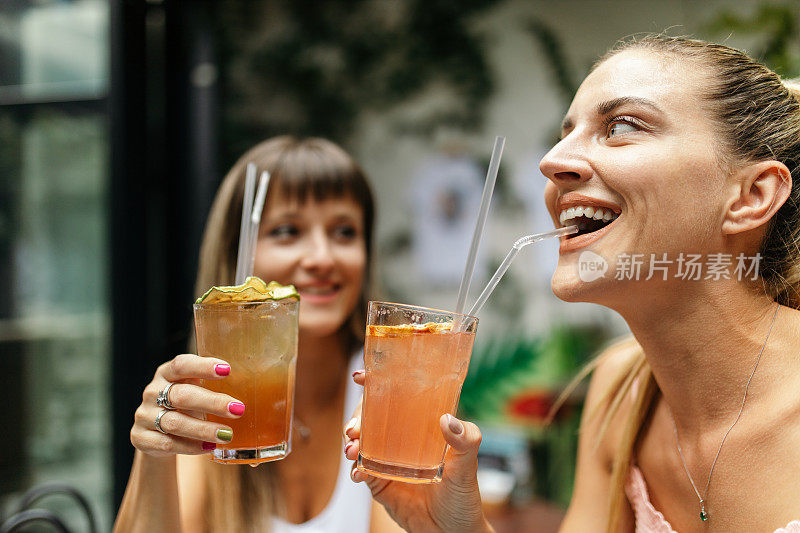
<point x="704" y="354"/>
<point x="321" y="366"/>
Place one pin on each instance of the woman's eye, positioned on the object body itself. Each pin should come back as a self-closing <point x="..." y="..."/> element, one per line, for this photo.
<point x="618" y="127"/>
<point x="345" y="232"/>
<point x="284" y="231"/>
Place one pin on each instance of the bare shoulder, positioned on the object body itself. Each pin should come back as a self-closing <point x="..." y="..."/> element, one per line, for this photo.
<point x="191" y="470"/>
<point x="599" y="436"/>
<point x="611" y="369"/>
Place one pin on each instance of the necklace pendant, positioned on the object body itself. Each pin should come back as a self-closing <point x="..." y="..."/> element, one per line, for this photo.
<point x="703" y="513"/>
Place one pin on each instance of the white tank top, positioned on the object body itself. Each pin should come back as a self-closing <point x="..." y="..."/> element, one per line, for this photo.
<point x="349" y="508"/>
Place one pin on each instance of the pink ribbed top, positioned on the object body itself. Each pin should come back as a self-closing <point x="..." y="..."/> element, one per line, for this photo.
<point x="649" y="520"/>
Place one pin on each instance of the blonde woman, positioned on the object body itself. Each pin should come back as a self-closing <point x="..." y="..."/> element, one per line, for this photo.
<point x="316" y="234"/>
<point x="690" y="152"/>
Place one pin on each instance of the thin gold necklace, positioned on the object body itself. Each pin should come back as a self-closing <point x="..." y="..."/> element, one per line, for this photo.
<point x="703" y="513"/>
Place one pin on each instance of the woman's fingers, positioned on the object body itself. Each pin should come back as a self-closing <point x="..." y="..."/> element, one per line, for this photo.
<point x="178" y="424"/>
<point x="189" y="366"/>
<point x="352" y="430"/>
<point x="461" y="461"/>
<point x="376" y="485"/>
<point x="181" y="429"/>
<point x="351" y="450"/>
<point x="190" y="397"/>
<point x="159" y="445"/>
<point x="464" y="438"/>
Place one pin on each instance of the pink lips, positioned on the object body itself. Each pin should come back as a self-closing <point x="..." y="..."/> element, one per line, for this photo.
<point x="569" y="244"/>
<point x="572" y="199"/>
<point x="329" y="295"/>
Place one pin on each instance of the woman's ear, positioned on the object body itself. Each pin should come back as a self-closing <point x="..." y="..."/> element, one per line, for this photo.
<point x="760" y="190"/>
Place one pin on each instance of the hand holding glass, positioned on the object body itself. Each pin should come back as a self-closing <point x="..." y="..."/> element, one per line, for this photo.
<point x="259" y="341"/>
<point x="415" y="367"/>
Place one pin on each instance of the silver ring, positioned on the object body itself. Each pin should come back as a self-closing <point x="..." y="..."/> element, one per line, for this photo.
<point x="163" y="397"/>
<point x="158" y="420"/>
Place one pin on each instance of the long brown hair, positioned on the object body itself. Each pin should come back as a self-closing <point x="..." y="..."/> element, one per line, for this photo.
<point x="758" y="118"/>
<point x="239" y="498"/>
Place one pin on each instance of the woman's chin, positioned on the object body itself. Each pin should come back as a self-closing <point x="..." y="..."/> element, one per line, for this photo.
<point x="319" y="327"/>
<point x="569" y="287"/>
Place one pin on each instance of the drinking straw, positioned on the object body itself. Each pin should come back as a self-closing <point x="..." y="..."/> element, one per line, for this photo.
<point x="255" y="221"/>
<point x="518" y="245"/>
<point x="488" y="189"/>
<point x="244" y="231"/>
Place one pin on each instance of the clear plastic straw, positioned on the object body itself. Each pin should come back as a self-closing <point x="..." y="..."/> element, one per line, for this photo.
<point x="518" y="245"/>
<point x="255" y="221"/>
<point x="244" y="231"/>
<point x="488" y="189"/>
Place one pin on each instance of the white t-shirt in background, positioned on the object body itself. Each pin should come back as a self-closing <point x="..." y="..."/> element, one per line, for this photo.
<point x="349" y="508"/>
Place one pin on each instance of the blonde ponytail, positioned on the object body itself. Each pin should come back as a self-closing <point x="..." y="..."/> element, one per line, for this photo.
<point x="631" y="385"/>
<point x="645" y="392"/>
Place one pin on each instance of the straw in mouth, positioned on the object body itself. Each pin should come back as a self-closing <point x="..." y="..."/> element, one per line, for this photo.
<point x="519" y="244"/>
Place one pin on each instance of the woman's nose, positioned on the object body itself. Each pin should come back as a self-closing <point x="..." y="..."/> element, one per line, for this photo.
<point x="566" y="163"/>
<point x="319" y="255"/>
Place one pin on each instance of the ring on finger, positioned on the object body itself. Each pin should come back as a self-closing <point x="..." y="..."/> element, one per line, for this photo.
<point x="163" y="397"/>
<point x="158" y="420"/>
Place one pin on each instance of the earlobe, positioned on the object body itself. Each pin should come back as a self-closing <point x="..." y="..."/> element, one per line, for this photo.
<point x="762" y="189"/>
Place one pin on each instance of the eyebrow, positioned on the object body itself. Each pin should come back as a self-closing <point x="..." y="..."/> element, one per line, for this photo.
<point x="605" y="108"/>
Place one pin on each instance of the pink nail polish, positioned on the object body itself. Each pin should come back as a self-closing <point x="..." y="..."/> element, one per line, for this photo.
<point x="209" y="446"/>
<point x="222" y="369"/>
<point x="347" y="448"/>
<point x="236" y="408"/>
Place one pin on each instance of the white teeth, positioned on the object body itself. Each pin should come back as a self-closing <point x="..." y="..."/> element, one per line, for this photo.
<point x="596" y="213"/>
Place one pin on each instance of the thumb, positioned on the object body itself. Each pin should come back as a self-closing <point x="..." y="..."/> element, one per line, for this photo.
<point x="461" y="463"/>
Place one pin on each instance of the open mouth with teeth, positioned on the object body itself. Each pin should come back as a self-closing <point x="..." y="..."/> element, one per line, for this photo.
<point x="588" y="219"/>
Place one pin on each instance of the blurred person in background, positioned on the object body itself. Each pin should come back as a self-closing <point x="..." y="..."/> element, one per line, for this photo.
<point x="693" y="423"/>
<point x="316" y="234"/>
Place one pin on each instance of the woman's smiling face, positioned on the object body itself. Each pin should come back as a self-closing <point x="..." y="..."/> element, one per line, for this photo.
<point x="638" y="144"/>
<point x="318" y="246"/>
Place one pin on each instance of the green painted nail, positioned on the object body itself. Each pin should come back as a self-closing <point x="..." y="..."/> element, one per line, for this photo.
<point x="225" y="434"/>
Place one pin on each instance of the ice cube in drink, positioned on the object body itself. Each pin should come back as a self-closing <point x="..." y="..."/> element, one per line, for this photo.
<point x="256" y="333"/>
<point x="414" y="375"/>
